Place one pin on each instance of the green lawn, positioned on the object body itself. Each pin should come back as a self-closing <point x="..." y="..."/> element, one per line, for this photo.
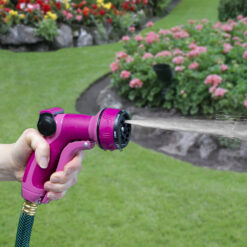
<point x="133" y="198"/>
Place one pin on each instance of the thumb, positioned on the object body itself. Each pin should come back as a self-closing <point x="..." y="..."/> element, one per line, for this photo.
<point x="40" y="146"/>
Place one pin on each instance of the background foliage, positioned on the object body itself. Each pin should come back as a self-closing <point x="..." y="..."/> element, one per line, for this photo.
<point x="231" y="9"/>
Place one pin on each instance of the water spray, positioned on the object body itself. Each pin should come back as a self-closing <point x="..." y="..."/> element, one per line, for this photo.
<point x="226" y="128"/>
<point x="67" y="134"/>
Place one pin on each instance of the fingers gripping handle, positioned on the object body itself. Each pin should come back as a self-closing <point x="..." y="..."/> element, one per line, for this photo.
<point x="68" y="153"/>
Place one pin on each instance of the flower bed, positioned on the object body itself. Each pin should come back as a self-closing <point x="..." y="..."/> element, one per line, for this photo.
<point x="209" y="62"/>
<point x="46" y="20"/>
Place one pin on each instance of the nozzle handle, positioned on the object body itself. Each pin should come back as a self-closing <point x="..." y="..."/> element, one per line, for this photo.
<point x="68" y="153"/>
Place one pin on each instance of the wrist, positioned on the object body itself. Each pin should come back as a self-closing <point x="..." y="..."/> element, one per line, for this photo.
<point x="7" y="171"/>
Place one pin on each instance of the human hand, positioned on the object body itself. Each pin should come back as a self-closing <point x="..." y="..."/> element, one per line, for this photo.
<point x="31" y="140"/>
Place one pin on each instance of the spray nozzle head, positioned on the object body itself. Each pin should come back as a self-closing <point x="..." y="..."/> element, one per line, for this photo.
<point x="122" y="130"/>
<point x="112" y="130"/>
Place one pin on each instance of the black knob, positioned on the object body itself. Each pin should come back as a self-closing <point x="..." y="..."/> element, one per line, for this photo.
<point x="46" y="124"/>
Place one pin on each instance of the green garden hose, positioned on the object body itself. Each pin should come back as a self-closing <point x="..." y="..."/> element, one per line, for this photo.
<point x="25" y="225"/>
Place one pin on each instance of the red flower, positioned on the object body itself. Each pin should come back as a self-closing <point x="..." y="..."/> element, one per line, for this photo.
<point x="85" y="11"/>
<point x="58" y="5"/>
<point x="40" y="2"/>
<point x="94" y="6"/>
<point x="132" y="8"/>
<point x="82" y="4"/>
<point x="109" y="20"/>
<point x="102" y="12"/>
<point x="46" y="8"/>
<point x="7" y="10"/>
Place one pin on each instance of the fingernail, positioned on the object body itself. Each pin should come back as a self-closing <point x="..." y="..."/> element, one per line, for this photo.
<point x="43" y="162"/>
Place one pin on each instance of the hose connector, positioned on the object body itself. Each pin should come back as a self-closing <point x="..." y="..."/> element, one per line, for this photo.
<point x="29" y="208"/>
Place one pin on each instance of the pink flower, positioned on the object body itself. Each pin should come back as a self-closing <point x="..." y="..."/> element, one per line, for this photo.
<point x="213" y="79"/>
<point x="227" y="47"/>
<point x="204" y="20"/>
<point x="179" y="68"/>
<point x="125" y="74"/>
<point x="178" y="60"/>
<point x="197" y="51"/>
<point x="245" y="54"/>
<point x="125" y="38"/>
<point x="226" y="28"/>
<point x="217" y="25"/>
<point x="177" y="52"/>
<point x="219" y="92"/>
<point x="141" y="46"/>
<point x="78" y="18"/>
<point x="121" y="54"/>
<point x="136" y="83"/>
<point x="69" y="16"/>
<point x="114" y="67"/>
<point x="244" y="45"/>
<point x="151" y="37"/>
<point x="240" y="17"/>
<point x="150" y="24"/>
<point x="132" y="29"/>
<point x="164" y="32"/>
<point x="199" y="27"/>
<point x="245" y="103"/>
<point x="227" y="35"/>
<point x="245" y="33"/>
<point x="224" y="67"/>
<point x="194" y="65"/>
<point x="236" y="38"/>
<point x="191" y="21"/>
<point x="182" y="92"/>
<point x="212" y="89"/>
<point x="193" y="46"/>
<point x="164" y="54"/>
<point x="138" y="38"/>
<point x="181" y="34"/>
<point x="129" y="59"/>
<point x="147" y="55"/>
<point x="176" y="29"/>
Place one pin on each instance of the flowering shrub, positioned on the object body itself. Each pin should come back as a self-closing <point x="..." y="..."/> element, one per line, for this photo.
<point x="31" y="12"/>
<point x="209" y="62"/>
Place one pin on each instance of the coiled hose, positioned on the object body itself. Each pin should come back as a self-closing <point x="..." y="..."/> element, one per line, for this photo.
<point x="25" y="225"/>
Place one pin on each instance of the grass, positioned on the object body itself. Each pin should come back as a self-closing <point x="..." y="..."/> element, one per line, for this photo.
<point x="134" y="198"/>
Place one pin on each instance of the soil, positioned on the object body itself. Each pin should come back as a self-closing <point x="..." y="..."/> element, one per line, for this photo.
<point x="87" y="104"/>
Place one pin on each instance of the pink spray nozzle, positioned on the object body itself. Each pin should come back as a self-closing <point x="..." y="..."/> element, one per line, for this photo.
<point x="112" y="131"/>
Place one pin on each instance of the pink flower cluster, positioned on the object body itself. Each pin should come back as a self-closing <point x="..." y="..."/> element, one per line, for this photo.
<point x="196" y="50"/>
<point x="150" y="24"/>
<point x="147" y="55"/>
<point x="164" y="54"/>
<point x="227" y="47"/>
<point x="178" y="60"/>
<point x="215" y="80"/>
<point x="138" y="38"/>
<point x="219" y="92"/>
<point x="245" y="54"/>
<point x="152" y="37"/>
<point x="125" y="74"/>
<point x="125" y="38"/>
<point x="136" y="83"/>
<point x="194" y="66"/>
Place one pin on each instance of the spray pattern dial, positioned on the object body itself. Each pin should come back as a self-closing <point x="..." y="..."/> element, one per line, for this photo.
<point x="122" y="130"/>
